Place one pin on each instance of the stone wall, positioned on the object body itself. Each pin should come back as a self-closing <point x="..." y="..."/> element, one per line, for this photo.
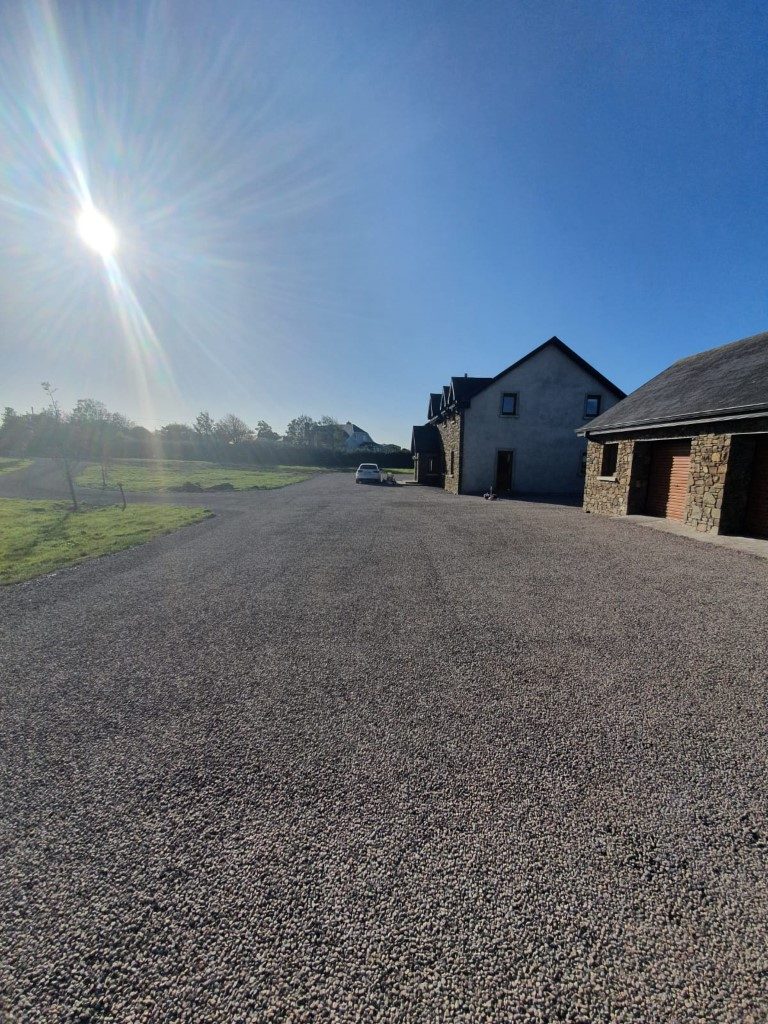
<point x="706" y="481"/>
<point x="608" y="496"/>
<point x="718" y="483"/>
<point x="450" y="434"/>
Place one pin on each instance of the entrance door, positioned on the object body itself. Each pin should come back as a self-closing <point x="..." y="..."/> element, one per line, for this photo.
<point x="756" y="515"/>
<point x="503" y="472"/>
<point x="668" y="479"/>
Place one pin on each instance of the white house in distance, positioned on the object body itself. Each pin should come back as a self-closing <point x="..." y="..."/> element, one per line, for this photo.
<point x="356" y="436"/>
<point x="515" y="432"/>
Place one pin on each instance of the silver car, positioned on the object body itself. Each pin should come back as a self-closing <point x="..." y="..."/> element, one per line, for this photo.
<point x="368" y="473"/>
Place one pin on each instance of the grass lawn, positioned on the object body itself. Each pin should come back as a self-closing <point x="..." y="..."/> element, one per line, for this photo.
<point x="11" y="465"/>
<point x="397" y="472"/>
<point x="39" y="536"/>
<point x="159" y="475"/>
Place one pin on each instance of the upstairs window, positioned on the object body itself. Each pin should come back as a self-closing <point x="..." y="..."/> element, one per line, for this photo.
<point x="509" y="403"/>
<point x="608" y="461"/>
<point x="591" y="406"/>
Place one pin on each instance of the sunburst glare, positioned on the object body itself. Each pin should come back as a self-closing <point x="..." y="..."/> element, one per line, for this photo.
<point x="97" y="232"/>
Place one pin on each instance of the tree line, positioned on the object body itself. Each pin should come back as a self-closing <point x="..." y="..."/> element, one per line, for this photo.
<point x="90" y="430"/>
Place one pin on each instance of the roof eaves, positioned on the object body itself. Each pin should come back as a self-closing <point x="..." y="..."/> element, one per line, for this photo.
<point x="737" y="412"/>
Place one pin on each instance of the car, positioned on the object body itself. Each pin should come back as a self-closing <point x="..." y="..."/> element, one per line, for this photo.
<point x="368" y="473"/>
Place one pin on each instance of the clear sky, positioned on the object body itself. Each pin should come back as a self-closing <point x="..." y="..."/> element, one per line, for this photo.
<point x="331" y="207"/>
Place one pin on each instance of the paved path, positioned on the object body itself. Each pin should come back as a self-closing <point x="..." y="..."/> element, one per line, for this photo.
<point x="381" y="754"/>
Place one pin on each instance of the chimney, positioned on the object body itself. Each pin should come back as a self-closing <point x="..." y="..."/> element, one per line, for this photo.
<point x="466" y="374"/>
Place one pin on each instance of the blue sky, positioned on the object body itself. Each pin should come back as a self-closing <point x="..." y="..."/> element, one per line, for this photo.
<point x="332" y="207"/>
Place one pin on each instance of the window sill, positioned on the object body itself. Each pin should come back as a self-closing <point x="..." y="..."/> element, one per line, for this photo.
<point x="609" y="479"/>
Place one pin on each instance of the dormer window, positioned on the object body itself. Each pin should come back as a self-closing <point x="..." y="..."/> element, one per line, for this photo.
<point x="509" y="403"/>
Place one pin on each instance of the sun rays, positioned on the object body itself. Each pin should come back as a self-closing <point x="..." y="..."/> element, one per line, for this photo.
<point x="197" y="179"/>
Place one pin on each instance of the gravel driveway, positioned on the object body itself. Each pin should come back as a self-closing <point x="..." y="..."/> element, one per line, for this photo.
<point x="381" y="754"/>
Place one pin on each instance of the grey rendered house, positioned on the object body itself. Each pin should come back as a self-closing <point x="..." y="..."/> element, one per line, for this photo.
<point x="513" y="433"/>
<point x="691" y="444"/>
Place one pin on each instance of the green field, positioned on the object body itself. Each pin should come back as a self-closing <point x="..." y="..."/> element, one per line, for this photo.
<point x="11" y="465"/>
<point x="158" y="475"/>
<point x="37" y="537"/>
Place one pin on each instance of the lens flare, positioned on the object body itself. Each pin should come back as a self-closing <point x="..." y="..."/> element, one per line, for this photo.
<point x="97" y="232"/>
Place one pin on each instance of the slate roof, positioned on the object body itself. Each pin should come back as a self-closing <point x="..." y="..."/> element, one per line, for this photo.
<point x="425" y="440"/>
<point x="730" y="380"/>
<point x="465" y="388"/>
<point x="435" y="399"/>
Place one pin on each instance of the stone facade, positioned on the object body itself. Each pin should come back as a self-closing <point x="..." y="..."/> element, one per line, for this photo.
<point x="451" y="430"/>
<point x="718" y="481"/>
<point x="706" y="481"/>
<point x="608" y="496"/>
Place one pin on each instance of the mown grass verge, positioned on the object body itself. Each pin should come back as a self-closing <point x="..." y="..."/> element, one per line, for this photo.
<point x="37" y="537"/>
<point x="11" y="465"/>
<point x="167" y="475"/>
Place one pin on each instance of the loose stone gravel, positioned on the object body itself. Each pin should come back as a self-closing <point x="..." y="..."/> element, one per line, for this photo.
<point x="385" y="755"/>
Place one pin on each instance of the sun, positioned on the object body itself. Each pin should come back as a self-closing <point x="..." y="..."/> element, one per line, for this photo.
<point x="97" y="232"/>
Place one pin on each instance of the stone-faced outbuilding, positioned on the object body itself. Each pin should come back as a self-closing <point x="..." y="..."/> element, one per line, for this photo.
<point x="691" y="444"/>
<point x="513" y="433"/>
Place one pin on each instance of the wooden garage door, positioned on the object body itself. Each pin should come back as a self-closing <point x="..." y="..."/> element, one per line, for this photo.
<point x="756" y="517"/>
<point x="668" y="479"/>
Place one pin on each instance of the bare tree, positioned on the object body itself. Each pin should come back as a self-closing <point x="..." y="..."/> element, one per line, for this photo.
<point x="51" y="392"/>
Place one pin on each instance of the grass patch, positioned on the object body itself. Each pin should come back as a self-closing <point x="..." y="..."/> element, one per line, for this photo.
<point x="398" y="472"/>
<point x="11" y="465"/>
<point x="37" y="537"/>
<point x="165" y="475"/>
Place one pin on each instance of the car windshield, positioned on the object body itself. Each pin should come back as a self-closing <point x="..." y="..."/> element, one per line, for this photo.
<point x="370" y="465"/>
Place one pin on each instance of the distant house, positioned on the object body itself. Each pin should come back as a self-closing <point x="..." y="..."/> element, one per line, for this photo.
<point x="513" y="433"/>
<point x="691" y="444"/>
<point x="356" y="436"/>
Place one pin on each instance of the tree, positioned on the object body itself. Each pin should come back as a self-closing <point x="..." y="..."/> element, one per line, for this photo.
<point x="299" y="430"/>
<point x="204" y="425"/>
<point x="232" y="429"/>
<point x="328" y="433"/>
<point x="50" y="390"/>
<point x="177" y="432"/>
<point x="90" y="410"/>
<point x="9" y="415"/>
<point x="122" y="422"/>
<point x="265" y="433"/>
